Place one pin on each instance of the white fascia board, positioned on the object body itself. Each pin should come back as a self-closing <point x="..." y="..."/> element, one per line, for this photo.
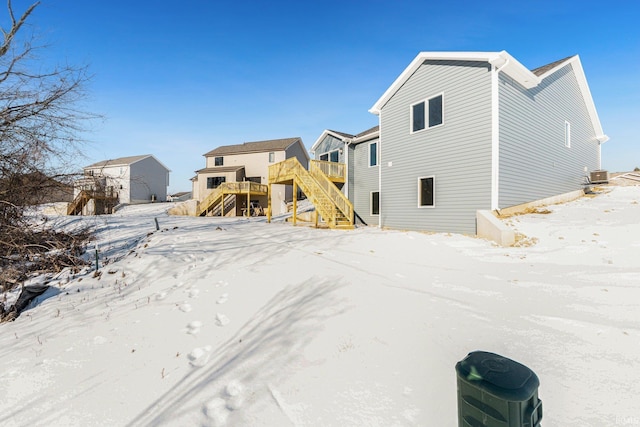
<point x="586" y="94"/>
<point x="512" y="67"/>
<point x="367" y="137"/>
<point x="324" y="134"/>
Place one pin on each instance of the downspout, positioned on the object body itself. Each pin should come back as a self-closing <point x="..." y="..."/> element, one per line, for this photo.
<point x="380" y="170"/>
<point x="346" y="163"/>
<point x="495" y="135"/>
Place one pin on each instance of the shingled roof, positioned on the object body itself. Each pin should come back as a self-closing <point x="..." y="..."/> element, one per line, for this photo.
<point x="541" y="70"/>
<point x="118" y="162"/>
<point x="254" y="147"/>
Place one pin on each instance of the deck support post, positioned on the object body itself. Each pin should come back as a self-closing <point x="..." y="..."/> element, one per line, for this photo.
<point x="295" y="201"/>
<point x="269" y="204"/>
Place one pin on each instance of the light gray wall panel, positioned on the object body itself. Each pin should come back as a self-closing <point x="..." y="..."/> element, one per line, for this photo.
<point x="458" y="153"/>
<point x="148" y="177"/>
<point x="329" y="143"/>
<point x="365" y="180"/>
<point x="534" y="162"/>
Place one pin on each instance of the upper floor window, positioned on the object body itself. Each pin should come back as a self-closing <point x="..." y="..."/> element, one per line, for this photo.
<point x="567" y="134"/>
<point x="272" y="157"/>
<point x="215" y="181"/>
<point x="332" y="156"/>
<point x="373" y="154"/>
<point x="427" y="114"/>
<point x="218" y="161"/>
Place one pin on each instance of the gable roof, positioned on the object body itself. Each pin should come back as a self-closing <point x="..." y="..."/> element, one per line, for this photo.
<point x="506" y="63"/>
<point x="124" y="161"/>
<point x="347" y="138"/>
<point x="255" y="147"/>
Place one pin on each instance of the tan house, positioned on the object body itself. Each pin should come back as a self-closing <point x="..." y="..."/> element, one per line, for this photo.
<point x="237" y="176"/>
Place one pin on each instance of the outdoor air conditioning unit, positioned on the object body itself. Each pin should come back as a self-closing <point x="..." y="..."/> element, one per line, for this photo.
<point x="599" y="177"/>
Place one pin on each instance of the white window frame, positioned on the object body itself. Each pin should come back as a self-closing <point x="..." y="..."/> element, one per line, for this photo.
<point x="328" y="154"/>
<point x="377" y="154"/>
<point x="567" y="134"/>
<point x="426" y="113"/>
<point x="371" y="203"/>
<point x="420" y="178"/>
<point x="272" y="156"/>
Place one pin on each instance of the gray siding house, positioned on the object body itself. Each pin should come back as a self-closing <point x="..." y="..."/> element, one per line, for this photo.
<point x="467" y="131"/>
<point x="360" y="152"/>
<point x="135" y="179"/>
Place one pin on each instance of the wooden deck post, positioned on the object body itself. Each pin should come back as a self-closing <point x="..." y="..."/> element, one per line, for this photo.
<point x="269" y="204"/>
<point x="221" y="205"/>
<point x="295" y="201"/>
<point x="248" y="202"/>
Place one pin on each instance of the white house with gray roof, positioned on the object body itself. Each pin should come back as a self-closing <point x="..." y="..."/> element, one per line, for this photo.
<point x="247" y="162"/>
<point x="468" y="131"/>
<point x="134" y="179"/>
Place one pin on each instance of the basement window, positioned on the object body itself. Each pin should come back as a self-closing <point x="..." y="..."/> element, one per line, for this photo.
<point x="375" y="203"/>
<point x="426" y="192"/>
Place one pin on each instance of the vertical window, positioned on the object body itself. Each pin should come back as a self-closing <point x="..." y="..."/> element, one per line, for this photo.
<point x="435" y="111"/>
<point x="215" y="181"/>
<point x="324" y="157"/>
<point x="567" y="134"/>
<point x="417" y="117"/>
<point x="375" y="203"/>
<point x="427" y="114"/>
<point x="373" y="154"/>
<point x="334" y="156"/>
<point x="272" y="157"/>
<point x="218" y="161"/>
<point x="426" y="190"/>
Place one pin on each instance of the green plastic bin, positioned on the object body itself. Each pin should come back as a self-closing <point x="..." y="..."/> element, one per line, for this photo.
<point x="494" y="391"/>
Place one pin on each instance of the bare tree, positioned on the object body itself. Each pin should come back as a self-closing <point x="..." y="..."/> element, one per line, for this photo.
<point x="40" y="124"/>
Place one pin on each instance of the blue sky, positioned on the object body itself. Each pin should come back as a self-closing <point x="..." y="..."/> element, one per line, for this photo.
<point x="177" y="79"/>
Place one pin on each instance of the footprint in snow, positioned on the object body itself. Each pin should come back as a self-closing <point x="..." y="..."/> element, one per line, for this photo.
<point x="223" y="298"/>
<point x="235" y="396"/>
<point x="185" y="307"/>
<point x="221" y="283"/>
<point x="193" y="293"/>
<point x="199" y="356"/>
<point x="161" y="295"/>
<point x="221" y="319"/>
<point x="216" y="412"/>
<point x="194" y="327"/>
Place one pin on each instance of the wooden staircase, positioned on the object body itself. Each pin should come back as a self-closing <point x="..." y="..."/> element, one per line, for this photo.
<point x="228" y="191"/>
<point x="330" y="203"/>
<point x="80" y="201"/>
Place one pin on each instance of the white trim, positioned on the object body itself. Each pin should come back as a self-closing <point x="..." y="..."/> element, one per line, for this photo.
<point x="323" y="135"/>
<point x="380" y="168"/>
<point x="495" y="137"/>
<point x="426" y="113"/>
<point x="369" y="154"/>
<point x="434" y="192"/>
<point x="567" y="134"/>
<point x="371" y="203"/>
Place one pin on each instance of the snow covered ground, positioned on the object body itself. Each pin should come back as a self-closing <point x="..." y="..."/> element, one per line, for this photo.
<point x="236" y="322"/>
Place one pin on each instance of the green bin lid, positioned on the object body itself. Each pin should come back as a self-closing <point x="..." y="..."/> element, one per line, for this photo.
<point x="502" y="377"/>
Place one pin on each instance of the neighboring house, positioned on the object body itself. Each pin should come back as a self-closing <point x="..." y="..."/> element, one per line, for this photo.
<point x="126" y="180"/>
<point x="467" y="131"/>
<point x="182" y="196"/>
<point x="245" y="163"/>
<point x="360" y="152"/>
